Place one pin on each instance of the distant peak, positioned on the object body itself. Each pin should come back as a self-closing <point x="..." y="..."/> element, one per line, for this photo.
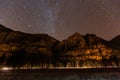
<point x="117" y="38"/>
<point x="3" y="28"/>
<point x="76" y="34"/>
<point x="91" y="35"/>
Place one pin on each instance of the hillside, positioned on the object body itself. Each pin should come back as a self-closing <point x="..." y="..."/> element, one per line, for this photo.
<point x="11" y="40"/>
<point x="83" y="48"/>
<point x="24" y="49"/>
<point x="115" y="43"/>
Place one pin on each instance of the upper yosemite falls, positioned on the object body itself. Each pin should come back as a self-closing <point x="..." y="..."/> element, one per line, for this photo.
<point x="18" y="49"/>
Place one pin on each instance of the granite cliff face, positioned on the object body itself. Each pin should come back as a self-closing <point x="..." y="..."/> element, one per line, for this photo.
<point x="84" y="49"/>
<point x="43" y="50"/>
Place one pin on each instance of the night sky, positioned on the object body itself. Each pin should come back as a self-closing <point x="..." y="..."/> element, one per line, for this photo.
<point x="62" y="18"/>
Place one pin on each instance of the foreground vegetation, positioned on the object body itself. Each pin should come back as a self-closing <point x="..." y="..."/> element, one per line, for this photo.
<point x="22" y="59"/>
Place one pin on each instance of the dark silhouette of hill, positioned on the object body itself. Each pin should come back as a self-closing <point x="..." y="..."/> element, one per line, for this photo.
<point x="14" y="40"/>
<point x="4" y="29"/>
<point x="115" y="43"/>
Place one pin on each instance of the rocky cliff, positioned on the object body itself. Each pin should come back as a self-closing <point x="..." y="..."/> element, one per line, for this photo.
<point x="42" y="49"/>
<point x="83" y="48"/>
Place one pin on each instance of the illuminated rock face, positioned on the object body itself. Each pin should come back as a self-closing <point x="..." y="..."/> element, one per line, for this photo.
<point x="41" y="50"/>
<point x="89" y="50"/>
<point x="91" y="57"/>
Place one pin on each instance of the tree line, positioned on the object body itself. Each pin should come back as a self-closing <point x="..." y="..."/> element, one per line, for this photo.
<point x="20" y="59"/>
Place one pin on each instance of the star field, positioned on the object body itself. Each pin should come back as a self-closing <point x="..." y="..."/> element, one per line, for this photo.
<point x="61" y="18"/>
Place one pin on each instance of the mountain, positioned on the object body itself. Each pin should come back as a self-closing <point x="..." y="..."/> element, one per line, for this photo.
<point x="14" y="40"/>
<point x="78" y="41"/>
<point x="18" y="49"/>
<point x="88" y="48"/>
<point x="115" y="43"/>
<point x="3" y="28"/>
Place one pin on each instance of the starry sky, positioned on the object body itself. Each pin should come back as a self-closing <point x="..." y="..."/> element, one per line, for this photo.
<point x="62" y="18"/>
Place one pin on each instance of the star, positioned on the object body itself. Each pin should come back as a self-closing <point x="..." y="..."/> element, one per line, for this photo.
<point x="30" y="26"/>
<point x="62" y="18"/>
